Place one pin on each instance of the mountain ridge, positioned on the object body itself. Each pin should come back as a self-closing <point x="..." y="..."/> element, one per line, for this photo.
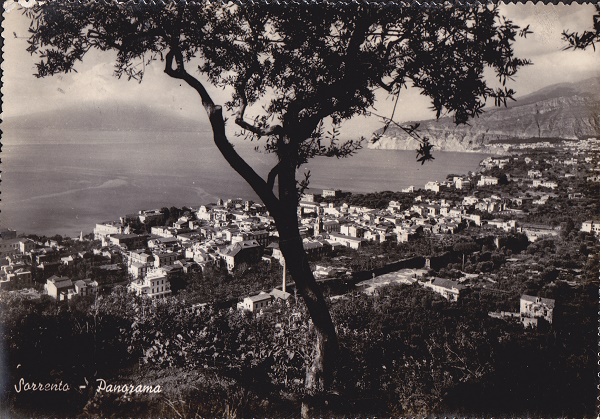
<point x="562" y="110"/>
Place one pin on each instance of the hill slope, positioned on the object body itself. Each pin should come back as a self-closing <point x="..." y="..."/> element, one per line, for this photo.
<point x="567" y="110"/>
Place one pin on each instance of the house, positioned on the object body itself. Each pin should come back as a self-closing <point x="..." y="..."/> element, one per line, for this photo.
<point x="106" y="228"/>
<point x="256" y="302"/>
<point x="68" y="260"/>
<point x="154" y="285"/>
<point x="245" y="251"/>
<point x="280" y="295"/>
<point x="406" y="234"/>
<point x="451" y="290"/>
<point x="85" y="287"/>
<point x="487" y="181"/>
<point x="591" y="227"/>
<point x="461" y="183"/>
<point x="59" y="288"/>
<point x="150" y="216"/>
<point x="26" y="245"/>
<point x="16" y="278"/>
<point x="9" y="247"/>
<point x="394" y="206"/>
<point x="128" y="241"/>
<point x="544" y="184"/>
<point x="536" y="231"/>
<point x="138" y="263"/>
<point x="261" y="236"/>
<point x="507" y="226"/>
<point x="349" y="241"/>
<point x="533" y="310"/>
<point x="433" y="186"/>
<point x="164" y="258"/>
<point x="334" y="193"/>
<point x="352" y="230"/>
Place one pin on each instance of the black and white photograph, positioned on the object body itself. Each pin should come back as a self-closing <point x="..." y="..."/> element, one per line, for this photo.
<point x="299" y="209"/>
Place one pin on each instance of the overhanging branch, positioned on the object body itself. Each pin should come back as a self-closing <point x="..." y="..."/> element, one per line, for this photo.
<point x="239" y="118"/>
<point x="219" y="131"/>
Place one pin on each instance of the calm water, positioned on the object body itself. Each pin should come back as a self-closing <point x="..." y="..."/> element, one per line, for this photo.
<point x="64" y="182"/>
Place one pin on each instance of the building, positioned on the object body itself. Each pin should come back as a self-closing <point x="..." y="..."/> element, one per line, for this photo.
<point x="255" y="302"/>
<point x="85" y="287"/>
<point x="432" y="186"/>
<point x="154" y="285"/>
<point x="487" y="181"/>
<point x="128" y="241"/>
<point x="451" y="290"/>
<point x="461" y="183"/>
<point x="59" y="288"/>
<point x="6" y="234"/>
<point x="334" y="193"/>
<point x="591" y="227"/>
<point x="107" y="228"/>
<point x="246" y="251"/>
<point x="261" y="236"/>
<point x="9" y="247"/>
<point x="534" y="310"/>
<point x="349" y="241"/>
<point x="545" y="184"/>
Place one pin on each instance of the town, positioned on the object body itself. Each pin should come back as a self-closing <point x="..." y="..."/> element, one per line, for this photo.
<point x="465" y="233"/>
<point x="465" y="279"/>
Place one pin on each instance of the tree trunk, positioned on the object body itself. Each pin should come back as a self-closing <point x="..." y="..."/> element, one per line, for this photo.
<point x="320" y="374"/>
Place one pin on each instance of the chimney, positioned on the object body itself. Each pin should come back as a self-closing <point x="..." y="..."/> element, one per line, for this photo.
<point x="284" y="276"/>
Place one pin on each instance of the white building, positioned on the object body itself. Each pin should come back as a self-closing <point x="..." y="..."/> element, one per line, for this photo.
<point x="255" y="302"/>
<point x="103" y="230"/>
<point x="451" y="290"/>
<point x="154" y="285"/>
<point x="591" y="227"/>
<point x="533" y="309"/>
<point x="432" y="186"/>
<point x="487" y="181"/>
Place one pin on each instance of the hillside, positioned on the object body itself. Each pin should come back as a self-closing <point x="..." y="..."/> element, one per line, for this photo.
<point x="567" y="110"/>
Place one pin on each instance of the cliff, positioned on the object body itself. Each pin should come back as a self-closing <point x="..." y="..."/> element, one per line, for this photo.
<point x="568" y="110"/>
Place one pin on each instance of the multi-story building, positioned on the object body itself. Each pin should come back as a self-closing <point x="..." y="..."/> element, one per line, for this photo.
<point x="535" y="309"/>
<point x="154" y="285"/>
<point x="487" y="181"/>
<point x="107" y="228"/>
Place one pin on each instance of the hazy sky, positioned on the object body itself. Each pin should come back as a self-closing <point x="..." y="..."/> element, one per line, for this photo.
<point x="94" y="83"/>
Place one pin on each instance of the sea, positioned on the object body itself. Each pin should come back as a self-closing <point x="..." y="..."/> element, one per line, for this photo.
<point x="64" y="182"/>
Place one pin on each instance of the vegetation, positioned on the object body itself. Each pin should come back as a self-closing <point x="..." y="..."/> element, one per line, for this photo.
<point x="403" y="352"/>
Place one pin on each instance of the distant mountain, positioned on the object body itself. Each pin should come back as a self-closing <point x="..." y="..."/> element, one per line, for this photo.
<point x="113" y="116"/>
<point x="566" y="110"/>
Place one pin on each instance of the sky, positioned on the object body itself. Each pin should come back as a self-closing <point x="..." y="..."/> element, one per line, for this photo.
<point x="94" y="84"/>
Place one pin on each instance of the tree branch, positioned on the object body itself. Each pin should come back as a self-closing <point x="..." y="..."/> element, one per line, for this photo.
<point x="272" y="175"/>
<point x="239" y="118"/>
<point x="219" y="131"/>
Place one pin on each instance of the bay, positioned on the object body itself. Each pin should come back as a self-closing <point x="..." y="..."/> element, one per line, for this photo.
<point x="63" y="182"/>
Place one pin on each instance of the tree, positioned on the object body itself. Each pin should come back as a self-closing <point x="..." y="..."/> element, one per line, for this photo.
<point x="585" y="39"/>
<point x="296" y="67"/>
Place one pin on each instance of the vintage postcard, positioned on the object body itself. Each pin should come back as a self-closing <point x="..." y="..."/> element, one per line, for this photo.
<point x="299" y="209"/>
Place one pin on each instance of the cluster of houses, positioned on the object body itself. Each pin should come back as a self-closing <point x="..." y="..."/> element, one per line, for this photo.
<point x="63" y="288"/>
<point x="236" y="232"/>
